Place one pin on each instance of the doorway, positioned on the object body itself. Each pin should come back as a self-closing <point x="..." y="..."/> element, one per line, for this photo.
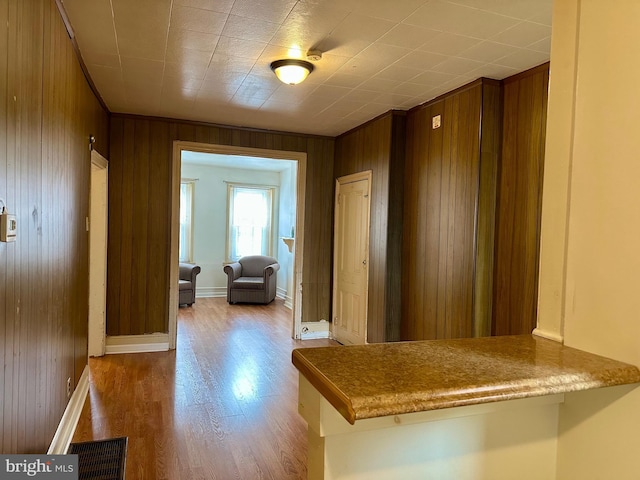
<point x="351" y="258"/>
<point x="98" y="209"/>
<point x="181" y="147"/>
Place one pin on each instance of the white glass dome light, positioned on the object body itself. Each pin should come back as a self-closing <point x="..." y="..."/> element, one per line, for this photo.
<point x="291" y="71"/>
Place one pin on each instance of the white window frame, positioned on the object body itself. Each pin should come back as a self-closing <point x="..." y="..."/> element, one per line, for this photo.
<point x="272" y="190"/>
<point x="191" y="187"/>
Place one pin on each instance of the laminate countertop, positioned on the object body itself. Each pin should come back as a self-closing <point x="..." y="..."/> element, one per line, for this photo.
<point x="375" y="380"/>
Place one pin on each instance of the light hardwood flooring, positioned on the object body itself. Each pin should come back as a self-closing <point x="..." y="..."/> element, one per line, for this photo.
<point x="223" y="405"/>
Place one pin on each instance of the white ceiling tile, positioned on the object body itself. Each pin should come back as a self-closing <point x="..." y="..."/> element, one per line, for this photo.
<point x="394" y="11"/>
<point x="393" y="99"/>
<point x="181" y="39"/>
<point x="521" y="9"/>
<point x="247" y="100"/>
<point x="93" y="25"/>
<point x="292" y="93"/>
<point x="421" y="60"/>
<point x="341" y="79"/>
<point x="197" y="20"/>
<point x="408" y="36"/>
<point x="488" y="51"/>
<point x="329" y="93"/>
<point x="543" y="45"/>
<point x="363" y="27"/>
<point x="432" y="79"/>
<point x="544" y="14"/>
<point x="497" y="72"/>
<point x="275" y="106"/>
<point x="237" y="47"/>
<point x="105" y="59"/>
<point x="380" y="85"/>
<point x="399" y="74"/>
<point x="224" y="94"/>
<point x="317" y="18"/>
<point x="448" y="17"/>
<point x="412" y="89"/>
<point x="249" y="29"/>
<point x="523" y="34"/>
<point x="140" y="71"/>
<point x="457" y="66"/>
<point x="186" y="71"/>
<point x="186" y="82"/>
<point x="293" y="37"/>
<point x="523" y="59"/>
<point x="360" y="95"/>
<point x="189" y="56"/>
<point x="225" y="63"/>
<point x="342" y="46"/>
<point x="222" y="6"/>
<point x="142" y="39"/>
<point x="449" y="44"/>
<point x="269" y="11"/>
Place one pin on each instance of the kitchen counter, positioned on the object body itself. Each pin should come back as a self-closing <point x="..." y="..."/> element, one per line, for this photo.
<point x="368" y="381"/>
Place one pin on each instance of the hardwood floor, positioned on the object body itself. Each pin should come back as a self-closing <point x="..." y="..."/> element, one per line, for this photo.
<point x="223" y="405"/>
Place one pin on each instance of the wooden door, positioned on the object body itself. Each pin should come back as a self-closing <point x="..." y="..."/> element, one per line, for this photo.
<point x="351" y="258"/>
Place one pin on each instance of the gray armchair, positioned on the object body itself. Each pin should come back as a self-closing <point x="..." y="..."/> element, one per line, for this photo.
<point x="187" y="284"/>
<point x="252" y="279"/>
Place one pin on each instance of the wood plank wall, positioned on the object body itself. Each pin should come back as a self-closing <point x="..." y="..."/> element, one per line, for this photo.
<point x="139" y="215"/>
<point x="378" y="146"/>
<point x="442" y="171"/>
<point x="47" y="112"/>
<point x="519" y="202"/>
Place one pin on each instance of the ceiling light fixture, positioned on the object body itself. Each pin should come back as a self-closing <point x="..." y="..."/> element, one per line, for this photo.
<point x="291" y="71"/>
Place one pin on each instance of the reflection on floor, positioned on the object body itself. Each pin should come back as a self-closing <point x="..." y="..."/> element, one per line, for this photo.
<point x="223" y="405"/>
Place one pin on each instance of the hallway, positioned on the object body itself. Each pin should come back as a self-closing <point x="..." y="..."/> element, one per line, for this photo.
<point x="222" y="406"/>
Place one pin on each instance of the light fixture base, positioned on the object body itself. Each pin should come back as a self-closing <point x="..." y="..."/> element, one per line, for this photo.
<point x="314" y="55"/>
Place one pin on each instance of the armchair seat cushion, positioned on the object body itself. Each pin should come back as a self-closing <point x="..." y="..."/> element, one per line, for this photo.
<point x="184" y="285"/>
<point x="249" y="282"/>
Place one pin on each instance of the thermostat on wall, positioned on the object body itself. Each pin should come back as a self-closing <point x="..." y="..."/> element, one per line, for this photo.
<point x="8" y="227"/>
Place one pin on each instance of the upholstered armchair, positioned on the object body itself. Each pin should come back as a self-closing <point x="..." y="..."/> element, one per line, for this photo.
<point x="187" y="284"/>
<point x="252" y="279"/>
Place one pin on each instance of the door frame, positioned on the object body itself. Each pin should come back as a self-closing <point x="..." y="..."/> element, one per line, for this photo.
<point x="354" y="177"/>
<point x="301" y="176"/>
<point x="98" y="257"/>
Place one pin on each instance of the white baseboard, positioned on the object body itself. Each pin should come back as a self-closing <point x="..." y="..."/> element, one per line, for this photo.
<point x="315" y="330"/>
<point x="154" y="342"/>
<point x="70" y="417"/>
<point x="211" y="292"/>
<point x="281" y="293"/>
<point x="548" y="335"/>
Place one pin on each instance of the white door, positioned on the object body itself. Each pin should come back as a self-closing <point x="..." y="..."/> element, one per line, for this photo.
<point x="351" y="258"/>
<point x="97" y="255"/>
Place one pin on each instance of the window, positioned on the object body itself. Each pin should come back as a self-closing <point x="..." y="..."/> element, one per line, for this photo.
<point x="250" y="218"/>
<point x="186" y="220"/>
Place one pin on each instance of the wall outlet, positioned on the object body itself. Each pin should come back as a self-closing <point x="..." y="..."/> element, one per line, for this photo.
<point x="68" y="387"/>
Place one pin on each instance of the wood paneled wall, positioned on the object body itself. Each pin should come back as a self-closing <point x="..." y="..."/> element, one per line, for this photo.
<point x="519" y="202"/>
<point x="379" y="146"/>
<point x="47" y="112"/>
<point x="140" y="207"/>
<point x="442" y="201"/>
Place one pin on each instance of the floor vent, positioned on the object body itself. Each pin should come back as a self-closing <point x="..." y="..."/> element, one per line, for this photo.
<point x="101" y="459"/>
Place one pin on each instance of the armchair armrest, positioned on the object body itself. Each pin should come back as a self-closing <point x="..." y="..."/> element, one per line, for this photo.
<point x="271" y="269"/>
<point x="233" y="270"/>
<point x="189" y="272"/>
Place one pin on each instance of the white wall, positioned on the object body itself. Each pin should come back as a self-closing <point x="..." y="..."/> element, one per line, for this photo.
<point x="210" y="217"/>
<point x="594" y="274"/>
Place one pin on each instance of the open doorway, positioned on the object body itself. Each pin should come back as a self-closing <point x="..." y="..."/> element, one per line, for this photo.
<point x="212" y="280"/>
